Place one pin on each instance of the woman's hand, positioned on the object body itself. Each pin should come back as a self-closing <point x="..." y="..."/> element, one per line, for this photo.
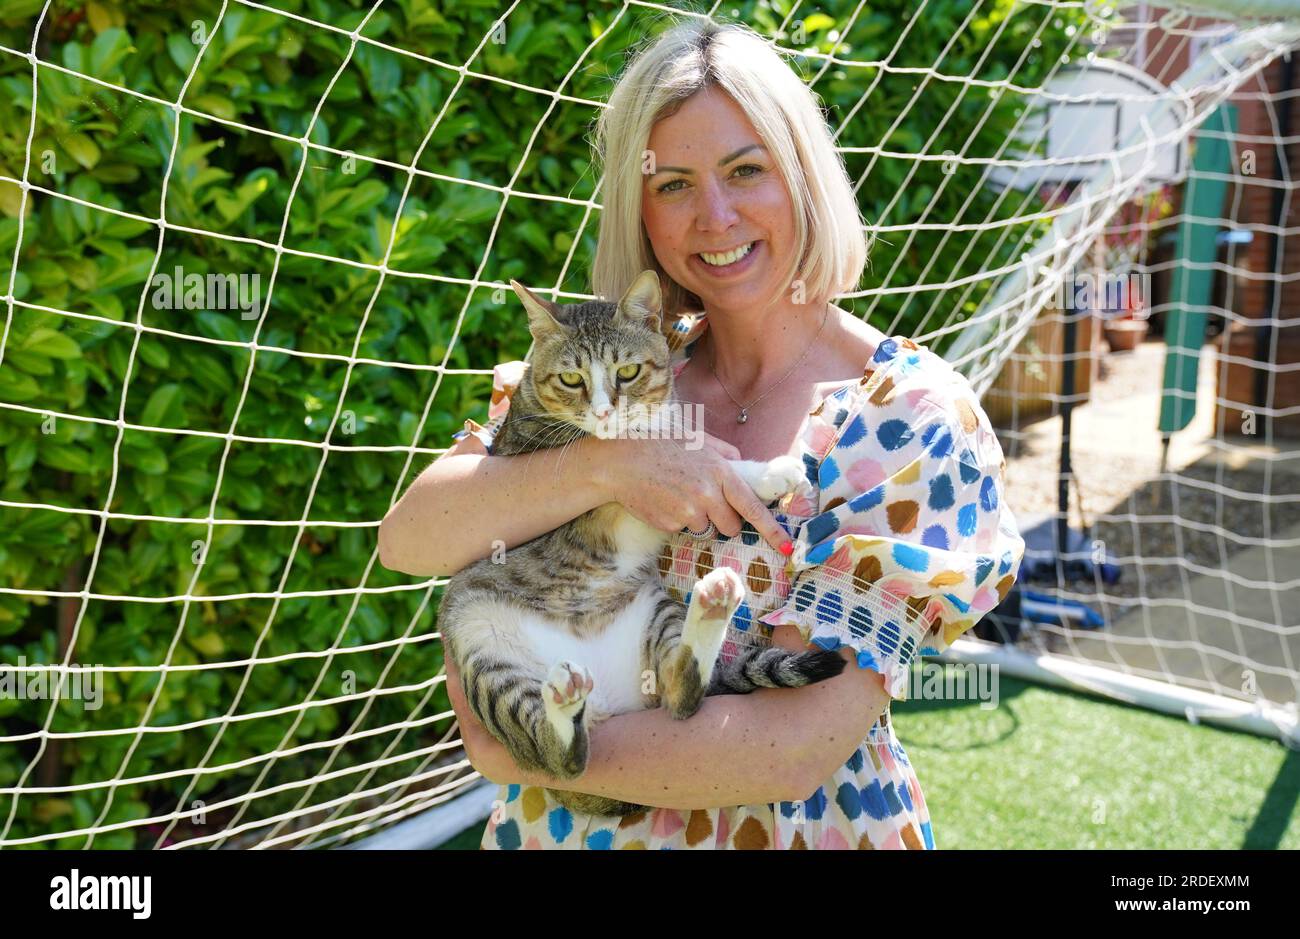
<point x="670" y="487"/>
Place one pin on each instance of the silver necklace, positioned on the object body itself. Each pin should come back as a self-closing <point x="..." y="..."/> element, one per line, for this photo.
<point x="744" y="408"/>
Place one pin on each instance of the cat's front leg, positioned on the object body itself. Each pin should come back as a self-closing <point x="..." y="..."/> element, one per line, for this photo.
<point x="773" y="479"/>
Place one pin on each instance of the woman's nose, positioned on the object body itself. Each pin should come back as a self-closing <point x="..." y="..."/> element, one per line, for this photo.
<point x="714" y="211"/>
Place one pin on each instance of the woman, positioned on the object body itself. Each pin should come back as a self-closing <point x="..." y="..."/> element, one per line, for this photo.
<point x="720" y="173"/>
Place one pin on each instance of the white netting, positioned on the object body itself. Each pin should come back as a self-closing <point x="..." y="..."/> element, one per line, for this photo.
<point x="1007" y="299"/>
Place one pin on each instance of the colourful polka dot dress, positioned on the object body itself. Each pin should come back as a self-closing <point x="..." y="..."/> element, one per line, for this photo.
<point x="905" y="543"/>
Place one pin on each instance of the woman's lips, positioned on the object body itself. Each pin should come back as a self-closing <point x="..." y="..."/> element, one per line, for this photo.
<point x="733" y="269"/>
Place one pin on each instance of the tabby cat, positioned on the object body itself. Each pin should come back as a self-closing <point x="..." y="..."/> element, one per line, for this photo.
<point x="576" y="625"/>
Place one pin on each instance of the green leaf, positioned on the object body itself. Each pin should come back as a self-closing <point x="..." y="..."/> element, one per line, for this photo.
<point x="108" y="50"/>
<point x="82" y="149"/>
<point x="15" y="386"/>
<point x="231" y="206"/>
<point x="145" y="457"/>
<point x="111" y="247"/>
<point x="381" y="69"/>
<point x="37" y="365"/>
<point x="52" y="344"/>
<point x="117" y="173"/>
<point x="817" y="22"/>
<point x="182" y="50"/>
<point x="83" y="273"/>
<point x="364" y="197"/>
<point x="134" y="271"/>
<point x="153" y="353"/>
<point x="67" y="457"/>
<point x="45" y="273"/>
<point x="217" y="105"/>
<point x="20" y="454"/>
<point x="161" y="403"/>
<point x="119" y="227"/>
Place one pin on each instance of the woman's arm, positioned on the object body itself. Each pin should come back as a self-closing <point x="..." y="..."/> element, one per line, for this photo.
<point x="466" y="500"/>
<point x="450" y="516"/>
<point x="772" y="745"/>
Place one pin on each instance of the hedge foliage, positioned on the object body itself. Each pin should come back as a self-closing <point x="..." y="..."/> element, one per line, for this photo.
<point x="75" y="376"/>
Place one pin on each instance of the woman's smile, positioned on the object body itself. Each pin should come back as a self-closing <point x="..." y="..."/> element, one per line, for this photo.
<point x="728" y="265"/>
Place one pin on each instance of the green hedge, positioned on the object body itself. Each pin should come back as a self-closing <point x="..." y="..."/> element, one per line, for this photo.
<point x="268" y="71"/>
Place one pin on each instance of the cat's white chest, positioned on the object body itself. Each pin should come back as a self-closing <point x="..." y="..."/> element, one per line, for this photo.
<point x="635" y="543"/>
<point x="613" y="656"/>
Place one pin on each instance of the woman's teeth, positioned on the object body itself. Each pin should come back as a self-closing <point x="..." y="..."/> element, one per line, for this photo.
<point x="730" y="257"/>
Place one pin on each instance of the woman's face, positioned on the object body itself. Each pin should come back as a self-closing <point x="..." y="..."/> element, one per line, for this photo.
<point x="714" y="193"/>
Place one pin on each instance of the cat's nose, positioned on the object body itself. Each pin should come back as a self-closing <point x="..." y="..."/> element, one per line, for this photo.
<point x="604" y="411"/>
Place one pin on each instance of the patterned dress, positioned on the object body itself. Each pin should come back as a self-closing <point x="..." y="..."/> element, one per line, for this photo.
<point x="906" y="542"/>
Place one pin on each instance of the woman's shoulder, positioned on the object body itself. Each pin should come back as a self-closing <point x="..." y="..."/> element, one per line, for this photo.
<point x="875" y="358"/>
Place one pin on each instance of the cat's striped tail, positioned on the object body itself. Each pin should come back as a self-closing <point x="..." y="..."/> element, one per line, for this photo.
<point x="773" y="667"/>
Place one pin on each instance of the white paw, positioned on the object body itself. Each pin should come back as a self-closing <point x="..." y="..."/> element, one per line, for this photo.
<point x="718" y="593"/>
<point x="714" y="599"/>
<point x="782" y="476"/>
<point x="566" y="688"/>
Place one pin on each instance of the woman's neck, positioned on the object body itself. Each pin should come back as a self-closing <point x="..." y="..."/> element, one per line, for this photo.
<point x="751" y="350"/>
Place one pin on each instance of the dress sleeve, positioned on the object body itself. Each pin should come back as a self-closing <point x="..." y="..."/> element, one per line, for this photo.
<point x="914" y="542"/>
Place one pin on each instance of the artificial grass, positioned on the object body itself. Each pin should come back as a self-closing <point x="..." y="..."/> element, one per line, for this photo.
<point x="1052" y="769"/>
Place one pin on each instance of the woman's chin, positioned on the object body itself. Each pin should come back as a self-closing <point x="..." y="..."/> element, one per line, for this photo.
<point x="734" y="296"/>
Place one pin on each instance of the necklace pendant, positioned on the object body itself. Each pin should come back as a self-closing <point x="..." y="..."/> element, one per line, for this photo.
<point x="742" y="416"/>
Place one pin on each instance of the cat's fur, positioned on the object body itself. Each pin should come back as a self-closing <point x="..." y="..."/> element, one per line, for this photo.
<point x="576" y="625"/>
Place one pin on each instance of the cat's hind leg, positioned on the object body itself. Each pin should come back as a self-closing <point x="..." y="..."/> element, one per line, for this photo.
<point x="685" y="666"/>
<point x="564" y="698"/>
<point x="541" y="722"/>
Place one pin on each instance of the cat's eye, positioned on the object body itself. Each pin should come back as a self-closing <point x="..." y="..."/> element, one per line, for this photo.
<point x="571" y="379"/>
<point x="629" y="372"/>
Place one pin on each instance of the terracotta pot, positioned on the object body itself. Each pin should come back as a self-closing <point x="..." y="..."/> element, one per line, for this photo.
<point x="1124" y="335"/>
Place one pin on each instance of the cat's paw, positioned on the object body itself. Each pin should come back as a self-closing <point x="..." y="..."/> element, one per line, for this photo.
<point x="780" y="477"/>
<point x="717" y="594"/>
<point x="714" y="598"/>
<point x="566" y="688"/>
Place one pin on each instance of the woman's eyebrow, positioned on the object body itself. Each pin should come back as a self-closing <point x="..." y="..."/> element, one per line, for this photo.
<point x="723" y="162"/>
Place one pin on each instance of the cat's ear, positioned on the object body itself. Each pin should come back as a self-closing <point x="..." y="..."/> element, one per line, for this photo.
<point x="643" y="302"/>
<point x="541" y="313"/>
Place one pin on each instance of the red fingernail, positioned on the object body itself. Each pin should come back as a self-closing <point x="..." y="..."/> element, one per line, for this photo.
<point x="787" y="548"/>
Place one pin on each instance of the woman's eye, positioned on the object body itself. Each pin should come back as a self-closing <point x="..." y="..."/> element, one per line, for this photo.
<point x="629" y="372"/>
<point x="742" y="176"/>
<point x="571" y="379"/>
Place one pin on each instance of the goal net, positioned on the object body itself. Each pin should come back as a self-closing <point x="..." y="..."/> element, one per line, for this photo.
<point x="254" y="262"/>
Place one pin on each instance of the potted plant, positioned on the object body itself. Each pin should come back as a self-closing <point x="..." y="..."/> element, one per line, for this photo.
<point x="1126" y="244"/>
<point x="1127" y="327"/>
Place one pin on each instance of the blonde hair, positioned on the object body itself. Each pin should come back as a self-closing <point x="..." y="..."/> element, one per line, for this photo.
<point x="830" y="248"/>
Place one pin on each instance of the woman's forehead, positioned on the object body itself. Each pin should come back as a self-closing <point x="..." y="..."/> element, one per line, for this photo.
<point x="706" y="127"/>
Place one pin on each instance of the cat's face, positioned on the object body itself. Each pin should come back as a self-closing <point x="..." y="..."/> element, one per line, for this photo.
<point x="598" y="365"/>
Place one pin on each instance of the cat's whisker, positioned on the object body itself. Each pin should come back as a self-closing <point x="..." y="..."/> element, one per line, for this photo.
<point x="564" y="451"/>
